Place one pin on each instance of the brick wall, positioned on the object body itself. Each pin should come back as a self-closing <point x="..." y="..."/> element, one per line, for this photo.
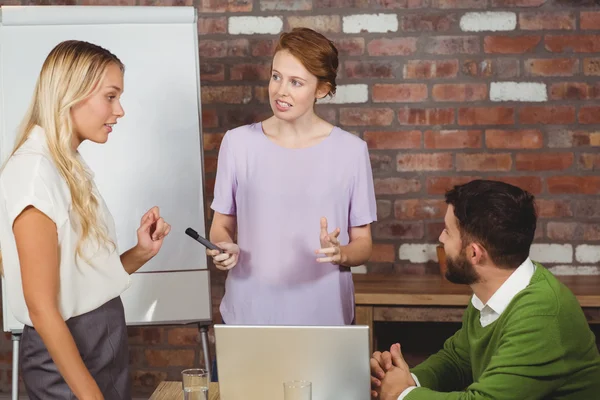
<point x="443" y="91"/>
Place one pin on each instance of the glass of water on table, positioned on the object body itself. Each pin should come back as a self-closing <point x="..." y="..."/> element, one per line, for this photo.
<point x="195" y="383"/>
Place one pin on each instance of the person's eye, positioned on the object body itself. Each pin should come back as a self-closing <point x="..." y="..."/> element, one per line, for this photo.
<point x="296" y="83"/>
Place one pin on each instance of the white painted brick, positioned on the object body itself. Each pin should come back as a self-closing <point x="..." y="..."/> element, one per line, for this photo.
<point x="360" y="269"/>
<point x="247" y="25"/>
<point x="488" y="21"/>
<point x="587" y="253"/>
<point x="551" y="253"/>
<point x="380" y="23"/>
<point x="344" y="94"/>
<point x="418" y="253"/>
<point x="575" y="270"/>
<point x="518" y="91"/>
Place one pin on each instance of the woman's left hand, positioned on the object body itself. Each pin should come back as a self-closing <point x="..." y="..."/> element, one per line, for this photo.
<point x="151" y="233"/>
<point x="330" y="245"/>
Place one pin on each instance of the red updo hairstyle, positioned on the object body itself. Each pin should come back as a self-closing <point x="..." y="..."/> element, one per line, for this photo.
<point x="317" y="53"/>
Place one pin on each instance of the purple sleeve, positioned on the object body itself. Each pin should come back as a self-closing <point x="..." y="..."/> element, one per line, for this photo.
<point x="363" y="208"/>
<point x="226" y="181"/>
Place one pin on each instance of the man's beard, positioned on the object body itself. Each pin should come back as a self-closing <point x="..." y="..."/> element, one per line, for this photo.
<point x="460" y="270"/>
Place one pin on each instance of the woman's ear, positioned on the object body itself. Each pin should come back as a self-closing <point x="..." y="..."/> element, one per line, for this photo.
<point x="323" y="88"/>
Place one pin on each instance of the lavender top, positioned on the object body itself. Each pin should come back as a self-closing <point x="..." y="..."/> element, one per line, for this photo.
<point x="279" y="195"/>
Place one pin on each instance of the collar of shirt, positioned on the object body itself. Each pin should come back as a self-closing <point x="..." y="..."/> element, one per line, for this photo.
<point x="496" y="305"/>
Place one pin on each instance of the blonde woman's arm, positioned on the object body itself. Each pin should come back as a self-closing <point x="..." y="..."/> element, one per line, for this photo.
<point x="37" y="246"/>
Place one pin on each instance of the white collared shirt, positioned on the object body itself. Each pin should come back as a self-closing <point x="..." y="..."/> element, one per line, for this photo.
<point x="491" y="311"/>
<point x="30" y="177"/>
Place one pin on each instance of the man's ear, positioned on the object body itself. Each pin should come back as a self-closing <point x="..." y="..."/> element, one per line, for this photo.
<point x="476" y="253"/>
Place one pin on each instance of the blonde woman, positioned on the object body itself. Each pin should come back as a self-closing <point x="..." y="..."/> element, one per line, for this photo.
<point x="64" y="274"/>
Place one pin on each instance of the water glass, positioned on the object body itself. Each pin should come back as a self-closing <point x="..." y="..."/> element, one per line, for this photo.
<point x="297" y="390"/>
<point x="195" y="384"/>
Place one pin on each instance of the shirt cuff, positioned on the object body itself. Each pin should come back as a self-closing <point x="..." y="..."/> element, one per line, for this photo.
<point x="406" y="392"/>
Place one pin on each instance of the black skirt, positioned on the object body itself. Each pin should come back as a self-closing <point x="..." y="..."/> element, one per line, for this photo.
<point x="101" y="337"/>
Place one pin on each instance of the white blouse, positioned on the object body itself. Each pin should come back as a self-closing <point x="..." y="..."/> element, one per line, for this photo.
<point x="31" y="178"/>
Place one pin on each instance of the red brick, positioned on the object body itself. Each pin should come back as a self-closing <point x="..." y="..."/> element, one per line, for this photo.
<point x="553" y="208"/>
<point x="589" y="161"/>
<point x="518" y="3"/>
<point x="220" y="6"/>
<point x="543" y="161"/>
<point x="393" y="140"/>
<point x="386" y="4"/>
<point x="327" y="113"/>
<point x="404" y="93"/>
<point x="452" y="139"/>
<point x="547" y="20"/>
<point x="224" y="48"/>
<point x="398" y="46"/>
<point x="184" y="336"/>
<point x="547" y="115"/>
<point x="319" y="23"/>
<point x="510" y="44"/>
<point x="513" y="139"/>
<point x="460" y="92"/>
<point x="370" y="69"/>
<point x="147" y="379"/>
<point x="486" y="116"/>
<point x="433" y="230"/>
<point x="148" y="336"/>
<point x="574" y="184"/>
<point x="589" y="115"/>
<point x="354" y="46"/>
<point x="573" y="43"/>
<point x="440" y="184"/>
<point x="261" y="93"/>
<point x="426" y="116"/>
<point x="250" y="72"/>
<point x="428" y="22"/>
<point x="210" y="72"/>
<point x="235" y="116"/>
<point x="591" y="66"/>
<point x="560" y="137"/>
<point x="497" y="68"/>
<point x="332" y="3"/>
<point x="170" y="358"/>
<point x="458" y="3"/>
<point x="424" y="162"/>
<point x="552" y="67"/>
<point x="263" y="48"/>
<point x="591" y="232"/>
<point x="562" y="231"/>
<point x="396" y="186"/>
<point x="208" y="26"/>
<point x="419" y="209"/>
<point x="398" y="230"/>
<point x="285" y="5"/>
<point x="589" y="20"/>
<point x="451" y="45"/>
<point x="366" y="116"/>
<point x="210" y="163"/>
<point x="384" y="209"/>
<point x="381" y="163"/>
<point x="226" y="94"/>
<point x="483" y="162"/>
<point x="588" y="208"/>
<point x="533" y="184"/>
<point x="212" y="141"/>
<point x="383" y="253"/>
<point x="574" y="91"/>
<point x="209" y="118"/>
<point x="426" y="69"/>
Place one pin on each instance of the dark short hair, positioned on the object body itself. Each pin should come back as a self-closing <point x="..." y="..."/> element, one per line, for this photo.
<point x="499" y="216"/>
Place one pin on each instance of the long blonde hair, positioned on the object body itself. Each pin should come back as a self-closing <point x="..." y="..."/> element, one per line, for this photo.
<point x="70" y="73"/>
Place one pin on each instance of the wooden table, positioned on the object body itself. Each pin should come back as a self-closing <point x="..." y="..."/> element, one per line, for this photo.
<point x="170" y="390"/>
<point x="431" y="298"/>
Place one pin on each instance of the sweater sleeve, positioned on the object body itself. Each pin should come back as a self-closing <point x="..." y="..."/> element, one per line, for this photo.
<point x="528" y="364"/>
<point x="450" y="368"/>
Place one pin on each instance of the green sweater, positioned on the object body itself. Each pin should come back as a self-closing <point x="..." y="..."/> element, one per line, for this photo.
<point x="541" y="347"/>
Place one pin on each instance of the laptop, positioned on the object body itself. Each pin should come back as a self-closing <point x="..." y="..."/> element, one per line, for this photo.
<point x="254" y="361"/>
